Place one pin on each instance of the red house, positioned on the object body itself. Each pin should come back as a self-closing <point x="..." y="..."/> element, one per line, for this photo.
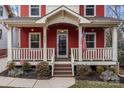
<point x="54" y="34"/>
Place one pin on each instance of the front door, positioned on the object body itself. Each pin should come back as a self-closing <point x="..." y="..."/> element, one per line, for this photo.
<point x="62" y="43"/>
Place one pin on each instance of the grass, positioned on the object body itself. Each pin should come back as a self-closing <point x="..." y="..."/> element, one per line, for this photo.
<point x="96" y="84"/>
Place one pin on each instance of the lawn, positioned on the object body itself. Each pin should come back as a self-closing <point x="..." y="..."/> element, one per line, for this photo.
<point x="96" y="84"/>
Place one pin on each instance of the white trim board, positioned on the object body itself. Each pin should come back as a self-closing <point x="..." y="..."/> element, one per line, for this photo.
<point x="60" y="56"/>
<point x="31" y="33"/>
<point x="37" y="15"/>
<point x="85" y="11"/>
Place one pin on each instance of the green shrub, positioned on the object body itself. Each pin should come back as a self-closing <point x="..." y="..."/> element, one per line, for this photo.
<point x="100" y="69"/>
<point x="121" y="57"/>
<point x="82" y="71"/>
<point x="42" y="69"/>
<point x="26" y="66"/>
<point x="11" y="66"/>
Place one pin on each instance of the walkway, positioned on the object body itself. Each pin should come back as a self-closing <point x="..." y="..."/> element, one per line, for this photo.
<point x="55" y="82"/>
<point x="3" y="64"/>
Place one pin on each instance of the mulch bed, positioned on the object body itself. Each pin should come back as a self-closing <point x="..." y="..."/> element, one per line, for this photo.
<point x="95" y="77"/>
<point x="30" y="74"/>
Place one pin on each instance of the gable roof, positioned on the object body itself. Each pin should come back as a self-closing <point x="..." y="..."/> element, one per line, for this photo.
<point x="63" y="8"/>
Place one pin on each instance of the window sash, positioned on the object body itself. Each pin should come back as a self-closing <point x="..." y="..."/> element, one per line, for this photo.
<point x="90" y="10"/>
<point x="0" y="33"/>
<point x="91" y="42"/>
<point x="35" y="40"/>
<point x="35" y="10"/>
<point x="1" y="11"/>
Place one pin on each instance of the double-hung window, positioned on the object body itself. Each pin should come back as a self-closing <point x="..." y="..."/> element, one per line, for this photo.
<point x="91" y="40"/>
<point x="89" y="10"/>
<point x="34" y="40"/>
<point x="1" y="11"/>
<point x="0" y="33"/>
<point x="34" y="10"/>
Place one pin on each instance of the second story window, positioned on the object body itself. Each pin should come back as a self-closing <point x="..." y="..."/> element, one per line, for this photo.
<point x="1" y="11"/>
<point x="0" y="33"/>
<point x="89" y="10"/>
<point x="34" y="10"/>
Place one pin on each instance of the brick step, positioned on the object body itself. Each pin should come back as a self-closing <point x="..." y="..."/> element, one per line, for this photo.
<point x="62" y="68"/>
<point x="62" y="72"/>
<point x="63" y="75"/>
<point x="3" y="56"/>
<point x="62" y="65"/>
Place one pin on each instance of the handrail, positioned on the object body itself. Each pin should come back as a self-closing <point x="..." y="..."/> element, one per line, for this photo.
<point x="52" y="61"/>
<point x="72" y="62"/>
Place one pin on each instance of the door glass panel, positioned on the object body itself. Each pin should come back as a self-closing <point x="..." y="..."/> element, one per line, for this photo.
<point x="62" y="44"/>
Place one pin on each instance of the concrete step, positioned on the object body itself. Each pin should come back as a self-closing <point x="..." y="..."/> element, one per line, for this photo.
<point x="62" y="68"/>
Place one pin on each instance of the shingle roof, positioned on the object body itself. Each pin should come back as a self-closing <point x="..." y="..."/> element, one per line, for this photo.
<point x="34" y="19"/>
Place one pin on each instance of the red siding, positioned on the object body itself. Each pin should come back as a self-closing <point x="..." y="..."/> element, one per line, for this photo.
<point x="99" y="36"/>
<point x="52" y="36"/>
<point x="81" y="11"/>
<point x="43" y="10"/>
<point x="99" y="10"/>
<point x="72" y="36"/>
<point x="25" y="36"/>
<point x="24" y="11"/>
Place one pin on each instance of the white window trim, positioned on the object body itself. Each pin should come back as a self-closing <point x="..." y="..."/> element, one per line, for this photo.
<point x="92" y="33"/>
<point x="33" y="15"/>
<point x="90" y="15"/>
<point x="2" y="10"/>
<point x="32" y="33"/>
<point x="67" y="47"/>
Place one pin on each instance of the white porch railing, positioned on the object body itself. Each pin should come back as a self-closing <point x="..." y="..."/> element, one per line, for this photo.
<point x="31" y="54"/>
<point x="91" y="54"/>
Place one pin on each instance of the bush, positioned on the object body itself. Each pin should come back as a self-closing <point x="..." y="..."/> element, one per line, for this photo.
<point x="42" y="70"/>
<point x="26" y="66"/>
<point x="15" y="72"/>
<point x="82" y="71"/>
<point x="100" y="69"/>
<point x="121" y="57"/>
<point x="11" y="66"/>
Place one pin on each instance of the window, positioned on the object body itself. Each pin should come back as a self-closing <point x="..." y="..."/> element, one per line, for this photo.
<point x="34" y="10"/>
<point x="89" y="10"/>
<point x="0" y="33"/>
<point x="1" y="11"/>
<point x="34" y="40"/>
<point x="90" y="40"/>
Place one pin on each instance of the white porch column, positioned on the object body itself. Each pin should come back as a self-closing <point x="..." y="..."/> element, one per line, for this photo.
<point x="9" y="44"/>
<point x="114" y="44"/>
<point x="80" y="43"/>
<point x="44" y="43"/>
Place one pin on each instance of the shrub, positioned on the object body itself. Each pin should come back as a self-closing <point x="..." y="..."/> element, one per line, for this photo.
<point x="100" y="69"/>
<point x="11" y="66"/>
<point x="15" y="72"/>
<point x="42" y="69"/>
<point x="26" y="66"/>
<point x="82" y="71"/>
<point x="121" y="57"/>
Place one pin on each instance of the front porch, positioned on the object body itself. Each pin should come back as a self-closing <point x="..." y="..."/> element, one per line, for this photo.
<point x="93" y="56"/>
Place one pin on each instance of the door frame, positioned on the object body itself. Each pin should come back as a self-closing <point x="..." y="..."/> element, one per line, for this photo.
<point x="61" y="56"/>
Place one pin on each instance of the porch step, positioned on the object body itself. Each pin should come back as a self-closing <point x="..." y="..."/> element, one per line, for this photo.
<point x="62" y="70"/>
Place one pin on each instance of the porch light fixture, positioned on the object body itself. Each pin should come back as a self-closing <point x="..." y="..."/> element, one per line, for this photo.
<point x="32" y="30"/>
<point x="92" y="30"/>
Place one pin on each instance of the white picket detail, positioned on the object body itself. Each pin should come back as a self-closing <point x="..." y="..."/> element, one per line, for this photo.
<point x="31" y="53"/>
<point x="104" y="54"/>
